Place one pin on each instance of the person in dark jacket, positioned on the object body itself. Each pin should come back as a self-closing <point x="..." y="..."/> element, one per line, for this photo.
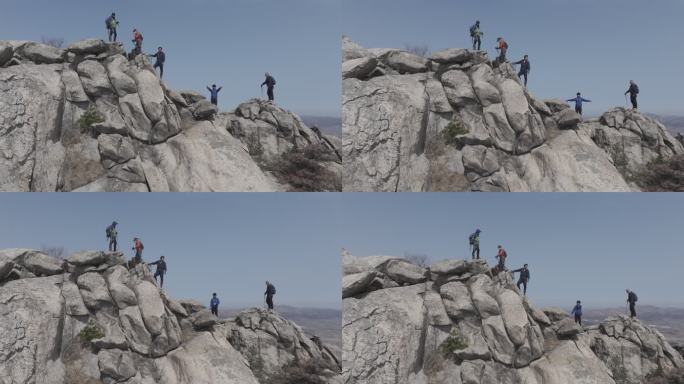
<point x="161" y="270"/>
<point x="269" y="83"/>
<point x="631" y="299"/>
<point x="633" y="92"/>
<point x="213" y="91"/>
<point x="112" y="235"/>
<point x="525" y="68"/>
<point x="578" y="102"/>
<point x="270" y="291"/>
<point x="577" y="311"/>
<point x="474" y="240"/>
<point x="524" y="278"/>
<point x="213" y="304"/>
<point x="161" y="58"/>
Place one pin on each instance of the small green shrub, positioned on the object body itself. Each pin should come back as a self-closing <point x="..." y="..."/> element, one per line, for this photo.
<point x="301" y="169"/>
<point x="91" y="332"/>
<point x="454" y="342"/>
<point x="452" y="132"/>
<point x="89" y="118"/>
<point x="254" y="146"/>
<point x="675" y="376"/>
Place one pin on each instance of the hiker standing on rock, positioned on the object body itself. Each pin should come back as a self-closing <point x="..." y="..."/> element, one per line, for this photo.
<point x="161" y="270"/>
<point x="631" y="299"/>
<point x="524" y="68"/>
<point x="137" y="39"/>
<point x="213" y="304"/>
<point x="577" y="311"/>
<point x="270" y="291"/>
<point x="138" y="248"/>
<point x="524" y="278"/>
<point x="502" y="47"/>
<point x="474" y="240"/>
<point x="111" y="235"/>
<point x="578" y="102"/>
<point x="633" y="92"/>
<point x="269" y="83"/>
<point x="502" y="258"/>
<point x="112" y="23"/>
<point x="161" y="58"/>
<point x="476" y="34"/>
<point x="214" y="93"/>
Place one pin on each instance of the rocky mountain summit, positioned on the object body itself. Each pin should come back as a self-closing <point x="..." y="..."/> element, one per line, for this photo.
<point x="458" y="122"/>
<point x="86" y="118"/>
<point x="90" y="319"/>
<point x="458" y="322"/>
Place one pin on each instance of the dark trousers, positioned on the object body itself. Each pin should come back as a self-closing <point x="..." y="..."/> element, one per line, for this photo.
<point x="476" y="249"/>
<point x="502" y="55"/>
<point x="214" y="310"/>
<point x="524" y="284"/>
<point x="112" y="244"/>
<point x="633" y="99"/>
<point x="578" y="109"/>
<point x="632" y="311"/>
<point x="161" y="68"/>
<point x="578" y="319"/>
<point x="477" y="42"/>
<point x="502" y="264"/>
<point x="161" y="278"/>
<point x="269" y="301"/>
<point x="270" y="94"/>
<point x="523" y="74"/>
<point x="214" y="100"/>
<point x="112" y="33"/>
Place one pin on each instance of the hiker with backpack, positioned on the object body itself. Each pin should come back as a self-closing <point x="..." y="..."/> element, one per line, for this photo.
<point x="161" y="58"/>
<point x="501" y="255"/>
<point x="161" y="270"/>
<point x="476" y="34"/>
<point x="269" y="83"/>
<point x="474" y="240"/>
<point x="213" y="304"/>
<point x="137" y="39"/>
<point x="138" y="248"/>
<point x="213" y="91"/>
<point x="577" y="311"/>
<point x="632" y="299"/>
<point x="524" y="68"/>
<point x="270" y="291"/>
<point x="578" y="102"/>
<point x="112" y="23"/>
<point x="523" y="279"/>
<point x="633" y="92"/>
<point x="502" y="47"/>
<point x="112" y="233"/>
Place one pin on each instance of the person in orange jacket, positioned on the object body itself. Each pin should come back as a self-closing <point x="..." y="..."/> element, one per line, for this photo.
<point x="138" y="248"/>
<point x="502" y="47"/>
<point x="502" y="258"/>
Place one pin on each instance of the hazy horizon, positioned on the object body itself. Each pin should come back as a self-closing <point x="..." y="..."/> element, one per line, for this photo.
<point x="230" y="44"/>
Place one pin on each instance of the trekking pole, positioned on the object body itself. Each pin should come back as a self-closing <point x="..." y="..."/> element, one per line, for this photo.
<point x="262" y="93"/>
<point x="626" y="100"/>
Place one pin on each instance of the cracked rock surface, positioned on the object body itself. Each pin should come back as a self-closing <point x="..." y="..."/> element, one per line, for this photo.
<point x="394" y="331"/>
<point x="397" y="106"/>
<point x="151" y="138"/>
<point x="144" y="336"/>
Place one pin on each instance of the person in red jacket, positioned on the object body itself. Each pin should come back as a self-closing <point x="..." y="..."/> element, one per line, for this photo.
<point x="502" y="47"/>
<point x="138" y="248"/>
<point x="137" y="39"/>
<point x="502" y="258"/>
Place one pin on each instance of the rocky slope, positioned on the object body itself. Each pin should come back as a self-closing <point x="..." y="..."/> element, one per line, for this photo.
<point x="91" y="320"/>
<point x="141" y="136"/>
<point x="398" y="107"/>
<point x="456" y="322"/>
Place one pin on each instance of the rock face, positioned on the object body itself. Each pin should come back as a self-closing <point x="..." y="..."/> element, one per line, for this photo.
<point x="398" y="110"/>
<point x="463" y="324"/>
<point x="89" y="319"/>
<point x="142" y="136"/>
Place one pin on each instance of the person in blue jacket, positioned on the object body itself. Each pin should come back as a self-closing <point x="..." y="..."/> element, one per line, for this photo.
<point x="214" y="93"/>
<point x="577" y="311"/>
<point x="214" y="303"/>
<point x="578" y="102"/>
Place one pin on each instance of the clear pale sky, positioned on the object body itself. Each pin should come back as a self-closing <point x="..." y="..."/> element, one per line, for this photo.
<point x="588" y="46"/>
<point x="227" y="42"/>
<point x="228" y="243"/>
<point x="579" y="246"/>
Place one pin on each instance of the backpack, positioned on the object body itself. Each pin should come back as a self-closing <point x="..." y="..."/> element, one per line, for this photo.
<point x="108" y="231"/>
<point x="108" y="22"/>
<point x="274" y="83"/>
<point x="471" y="239"/>
<point x="635" y="297"/>
<point x="272" y="289"/>
<point x="472" y="30"/>
<point x="505" y="44"/>
<point x="636" y="89"/>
